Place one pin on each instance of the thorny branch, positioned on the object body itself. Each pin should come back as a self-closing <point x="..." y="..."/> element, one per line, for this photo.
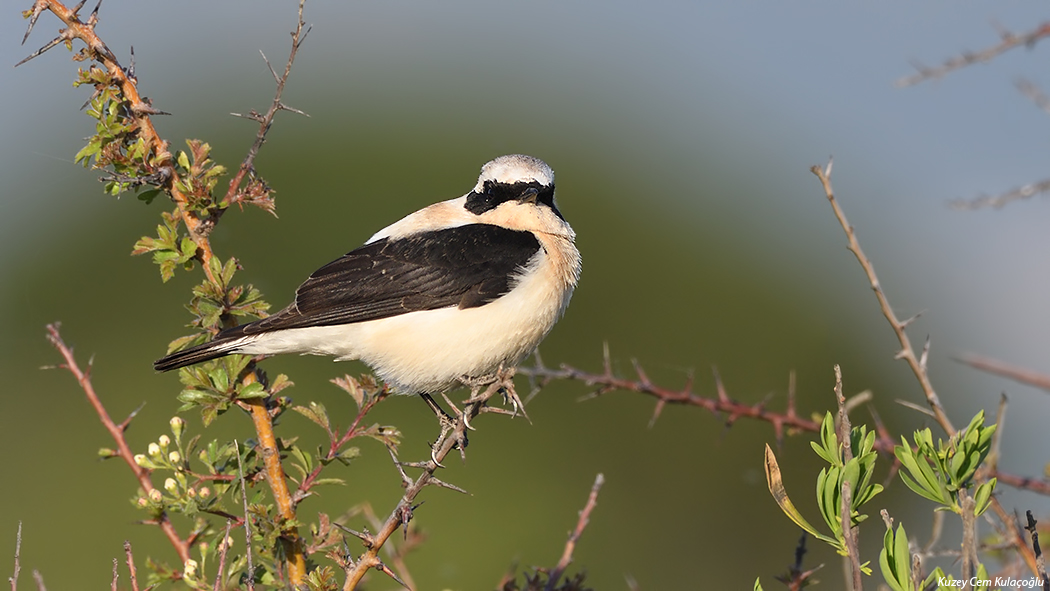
<point x="540" y="376"/>
<point x="453" y="438"/>
<point x="581" y="524"/>
<point x="265" y="121"/>
<point x="1017" y="374"/>
<point x="907" y="352"/>
<point x="163" y="173"/>
<point x="1007" y="41"/>
<point x="116" y="431"/>
<point x="998" y="201"/>
<point x="917" y="364"/>
<point x="1040" y="559"/>
<point x="162" y="165"/>
<point x="784" y="421"/>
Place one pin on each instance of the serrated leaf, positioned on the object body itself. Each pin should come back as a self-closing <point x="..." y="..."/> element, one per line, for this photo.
<point x="251" y="391"/>
<point x="316" y="413"/>
<point x="197" y="397"/>
<point x="208" y="414"/>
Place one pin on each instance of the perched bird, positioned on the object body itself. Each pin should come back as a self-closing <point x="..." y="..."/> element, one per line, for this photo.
<point x="447" y="295"/>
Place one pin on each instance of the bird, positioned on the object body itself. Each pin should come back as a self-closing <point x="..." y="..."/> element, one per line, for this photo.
<point x="449" y="295"/>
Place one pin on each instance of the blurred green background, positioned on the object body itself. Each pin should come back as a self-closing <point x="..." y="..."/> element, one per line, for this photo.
<point x="681" y="134"/>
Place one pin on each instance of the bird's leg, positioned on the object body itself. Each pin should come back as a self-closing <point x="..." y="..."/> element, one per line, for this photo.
<point x="448" y="424"/>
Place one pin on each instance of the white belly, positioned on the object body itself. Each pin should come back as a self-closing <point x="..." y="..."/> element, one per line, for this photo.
<point x="429" y="351"/>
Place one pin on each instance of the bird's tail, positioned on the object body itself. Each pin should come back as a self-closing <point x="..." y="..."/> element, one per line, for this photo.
<point x="218" y="348"/>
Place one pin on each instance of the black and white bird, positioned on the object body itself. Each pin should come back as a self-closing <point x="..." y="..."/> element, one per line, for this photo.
<point x="451" y="293"/>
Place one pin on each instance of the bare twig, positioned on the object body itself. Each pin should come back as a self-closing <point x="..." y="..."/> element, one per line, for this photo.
<point x="850" y="535"/>
<point x="1039" y="559"/>
<point x="1011" y="530"/>
<point x="117" y="433"/>
<point x="849" y="538"/>
<point x="1007" y="42"/>
<point x="969" y="541"/>
<point x="224" y="548"/>
<point x="1034" y="93"/>
<point x="1018" y="374"/>
<point x="131" y="566"/>
<point x="907" y="352"/>
<point x="581" y="523"/>
<point x="39" y="580"/>
<point x="796" y="579"/>
<point x="13" y="579"/>
<point x="265" y="121"/>
<point x="997" y="201"/>
<point x="247" y="518"/>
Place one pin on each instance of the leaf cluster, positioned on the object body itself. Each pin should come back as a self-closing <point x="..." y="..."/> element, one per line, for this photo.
<point x="939" y="472"/>
<point x="853" y="465"/>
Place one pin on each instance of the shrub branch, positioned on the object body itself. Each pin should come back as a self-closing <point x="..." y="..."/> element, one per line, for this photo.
<point x="116" y="431"/>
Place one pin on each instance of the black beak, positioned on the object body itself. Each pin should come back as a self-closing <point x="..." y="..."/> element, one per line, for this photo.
<point x="529" y="195"/>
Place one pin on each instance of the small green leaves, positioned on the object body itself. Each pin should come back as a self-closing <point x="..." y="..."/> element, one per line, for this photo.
<point x="169" y="250"/>
<point x="983" y="497"/>
<point x="855" y="472"/>
<point x="895" y="559"/>
<point x="214" y="385"/>
<point x="939" y="472"/>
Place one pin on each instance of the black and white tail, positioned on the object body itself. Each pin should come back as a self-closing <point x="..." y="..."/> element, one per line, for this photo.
<point x="211" y="350"/>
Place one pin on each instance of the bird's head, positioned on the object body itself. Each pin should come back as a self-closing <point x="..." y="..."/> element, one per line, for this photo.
<point x="512" y="186"/>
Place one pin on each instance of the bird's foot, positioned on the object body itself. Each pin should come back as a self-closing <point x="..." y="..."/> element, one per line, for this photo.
<point x="449" y="428"/>
<point x="500" y="382"/>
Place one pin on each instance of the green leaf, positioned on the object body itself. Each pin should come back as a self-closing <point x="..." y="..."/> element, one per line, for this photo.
<point x="316" y="413"/>
<point x="983" y="497"/>
<point x="895" y="559"/>
<point x="321" y="481"/>
<point x="252" y="390"/>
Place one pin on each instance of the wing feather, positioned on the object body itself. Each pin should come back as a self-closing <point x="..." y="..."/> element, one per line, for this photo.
<point x="465" y="266"/>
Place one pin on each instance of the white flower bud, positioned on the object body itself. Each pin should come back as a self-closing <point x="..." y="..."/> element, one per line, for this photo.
<point x="190" y="568"/>
<point x="140" y="459"/>
<point x="164" y="441"/>
<point x="204" y="492"/>
<point x="170" y="485"/>
<point x="153" y="449"/>
<point x="155" y="495"/>
<point x="175" y="457"/>
<point x="177" y="425"/>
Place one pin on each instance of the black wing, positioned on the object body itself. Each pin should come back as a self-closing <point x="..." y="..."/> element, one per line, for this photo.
<point x="466" y="266"/>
